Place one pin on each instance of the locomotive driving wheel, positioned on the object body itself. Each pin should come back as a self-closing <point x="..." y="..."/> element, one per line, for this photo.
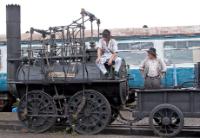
<point x="36" y="111"/>
<point x="90" y="112"/>
<point x="166" y="120"/>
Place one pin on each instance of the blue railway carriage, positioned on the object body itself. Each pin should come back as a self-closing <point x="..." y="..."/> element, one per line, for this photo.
<point x="4" y="95"/>
<point x="180" y="53"/>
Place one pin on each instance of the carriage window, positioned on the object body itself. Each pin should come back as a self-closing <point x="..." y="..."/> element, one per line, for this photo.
<point x="177" y="52"/>
<point x="135" y="45"/>
<point x="134" y="53"/>
<point x="35" y="48"/>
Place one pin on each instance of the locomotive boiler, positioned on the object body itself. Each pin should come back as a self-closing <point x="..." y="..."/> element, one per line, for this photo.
<point x="58" y="81"/>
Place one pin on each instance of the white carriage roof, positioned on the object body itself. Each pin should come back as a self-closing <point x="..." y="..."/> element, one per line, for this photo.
<point x="151" y="31"/>
<point x="185" y="30"/>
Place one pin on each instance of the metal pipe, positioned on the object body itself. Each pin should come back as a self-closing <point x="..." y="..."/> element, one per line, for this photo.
<point x="98" y="24"/>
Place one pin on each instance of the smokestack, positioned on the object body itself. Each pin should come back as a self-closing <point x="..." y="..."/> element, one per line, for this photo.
<point x="13" y="32"/>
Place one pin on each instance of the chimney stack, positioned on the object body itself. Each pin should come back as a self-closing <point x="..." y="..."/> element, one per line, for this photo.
<point x="13" y="33"/>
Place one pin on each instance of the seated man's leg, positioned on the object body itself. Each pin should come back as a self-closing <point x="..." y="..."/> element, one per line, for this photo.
<point x="118" y="62"/>
<point x="102" y="66"/>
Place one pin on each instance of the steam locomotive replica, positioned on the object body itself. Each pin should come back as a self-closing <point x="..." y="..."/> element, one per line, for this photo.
<point x="60" y="82"/>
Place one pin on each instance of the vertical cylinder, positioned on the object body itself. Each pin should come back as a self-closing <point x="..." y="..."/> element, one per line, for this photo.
<point x="13" y="33"/>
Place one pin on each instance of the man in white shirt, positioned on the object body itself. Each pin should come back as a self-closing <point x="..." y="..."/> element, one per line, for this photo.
<point x="153" y="70"/>
<point x="107" y="53"/>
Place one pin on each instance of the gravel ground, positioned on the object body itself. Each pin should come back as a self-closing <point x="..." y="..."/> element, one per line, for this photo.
<point x="26" y="135"/>
<point x="59" y="135"/>
<point x="8" y="116"/>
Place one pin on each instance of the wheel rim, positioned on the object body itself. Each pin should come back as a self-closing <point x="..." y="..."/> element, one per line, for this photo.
<point x="37" y="113"/>
<point x="94" y="115"/>
<point x="167" y="121"/>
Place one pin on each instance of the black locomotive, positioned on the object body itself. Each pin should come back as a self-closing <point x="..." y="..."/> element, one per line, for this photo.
<point x="59" y="80"/>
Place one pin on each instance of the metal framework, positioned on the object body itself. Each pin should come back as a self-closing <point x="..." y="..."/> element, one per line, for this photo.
<point x="72" y="45"/>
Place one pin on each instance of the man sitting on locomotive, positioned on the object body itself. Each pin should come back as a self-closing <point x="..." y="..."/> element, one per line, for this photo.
<point x="107" y="54"/>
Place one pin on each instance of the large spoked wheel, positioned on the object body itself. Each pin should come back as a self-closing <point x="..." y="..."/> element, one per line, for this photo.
<point x="166" y="120"/>
<point x="90" y="112"/>
<point x="37" y="111"/>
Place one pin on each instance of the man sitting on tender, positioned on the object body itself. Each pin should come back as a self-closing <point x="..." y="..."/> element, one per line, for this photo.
<point x="107" y="54"/>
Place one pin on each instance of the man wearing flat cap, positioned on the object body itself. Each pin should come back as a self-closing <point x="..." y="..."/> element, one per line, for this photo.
<point x="107" y="54"/>
<point x="153" y="69"/>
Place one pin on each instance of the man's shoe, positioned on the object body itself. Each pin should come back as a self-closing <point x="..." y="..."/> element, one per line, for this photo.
<point x="107" y="76"/>
<point x="116" y="75"/>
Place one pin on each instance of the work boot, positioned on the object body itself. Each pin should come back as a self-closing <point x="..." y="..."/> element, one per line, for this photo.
<point x="107" y="76"/>
<point x="116" y="75"/>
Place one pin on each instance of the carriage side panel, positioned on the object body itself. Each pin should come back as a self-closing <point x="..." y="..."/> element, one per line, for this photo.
<point x="188" y="101"/>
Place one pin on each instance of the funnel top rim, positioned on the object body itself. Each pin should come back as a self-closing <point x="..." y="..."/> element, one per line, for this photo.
<point x="12" y="5"/>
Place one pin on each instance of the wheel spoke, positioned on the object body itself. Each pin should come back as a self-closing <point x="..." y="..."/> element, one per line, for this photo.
<point x="172" y="128"/>
<point x="47" y="113"/>
<point x="96" y="118"/>
<point x="161" y="113"/>
<point x="44" y="106"/>
<point x="98" y="106"/>
<point x="99" y="113"/>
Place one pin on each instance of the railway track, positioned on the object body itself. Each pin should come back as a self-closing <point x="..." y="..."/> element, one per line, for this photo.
<point x="118" y="129"/>
<point x="197" y="128"/>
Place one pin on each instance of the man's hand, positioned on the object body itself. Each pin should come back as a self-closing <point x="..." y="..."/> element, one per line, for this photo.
<point x="97" y="60"/>
<point x="110" y="62"/>
<point x="142" y="71"/>
<point x="162" y="75"/>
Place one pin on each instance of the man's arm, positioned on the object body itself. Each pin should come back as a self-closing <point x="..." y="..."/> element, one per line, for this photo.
<point x="98" y="54"/>
<point x="112" y="58"/>
<point x="163" y="68"/>
<point x="99" y="51"/>
<point x="142" y="66"/>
